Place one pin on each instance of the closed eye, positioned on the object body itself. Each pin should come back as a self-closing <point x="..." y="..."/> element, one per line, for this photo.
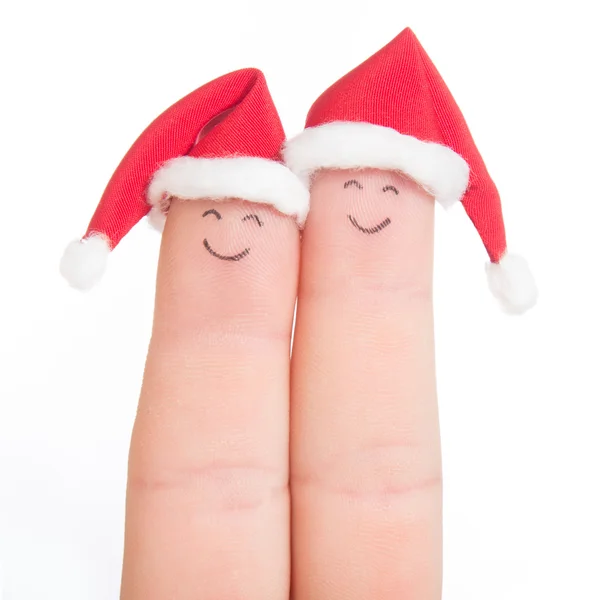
<point x="212" y="211"/>
<point x="353" y="182"/>
<point x="255" y="217"/>
<point x="391" y="188"/>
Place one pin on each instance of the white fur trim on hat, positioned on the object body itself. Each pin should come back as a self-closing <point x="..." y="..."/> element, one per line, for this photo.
<point x="349" y="145"/>
<point x="157" y="219"/>
<point x="512" y="283"/>
<point x="248" y="178"/>
<point x="84" y="262"/>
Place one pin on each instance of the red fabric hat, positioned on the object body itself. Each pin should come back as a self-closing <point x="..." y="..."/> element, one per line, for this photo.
<point x="395" y="112"/>
<point x="221" y="141"/>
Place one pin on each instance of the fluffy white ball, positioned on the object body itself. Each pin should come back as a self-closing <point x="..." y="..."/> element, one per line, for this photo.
<point x="84" y="262"/>
<point x="512" y="283"/>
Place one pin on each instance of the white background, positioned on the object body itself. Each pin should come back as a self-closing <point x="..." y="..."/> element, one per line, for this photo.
<point x="519" y="397"/>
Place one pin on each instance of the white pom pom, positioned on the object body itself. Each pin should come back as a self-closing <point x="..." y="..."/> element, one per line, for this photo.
<point x="512" y="283"/>
<point x="84" y="262"/>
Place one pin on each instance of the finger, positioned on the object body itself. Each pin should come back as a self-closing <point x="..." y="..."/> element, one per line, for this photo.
<point x="365" y="452"/>
<point x="207" y="498"/>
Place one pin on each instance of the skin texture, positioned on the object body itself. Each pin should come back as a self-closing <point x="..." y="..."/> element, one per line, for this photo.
<point x="208" y="503"/>
<point x="218" y="437"/>
<point x="365" y="449"/>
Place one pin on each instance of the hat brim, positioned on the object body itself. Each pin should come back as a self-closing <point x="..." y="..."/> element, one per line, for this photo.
<point x="248" y="178"/>
<point x="355" y="145"/>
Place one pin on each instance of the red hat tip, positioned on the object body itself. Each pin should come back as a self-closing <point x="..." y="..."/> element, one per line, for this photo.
<point x="251" y="71"/>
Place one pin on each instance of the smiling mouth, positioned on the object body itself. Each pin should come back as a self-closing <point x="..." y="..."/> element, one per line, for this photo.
<point x="370" y="230"/>
<point x="235" y="257"/>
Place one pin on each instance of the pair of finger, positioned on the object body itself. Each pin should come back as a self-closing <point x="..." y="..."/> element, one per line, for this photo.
<point x="250" y="474"/>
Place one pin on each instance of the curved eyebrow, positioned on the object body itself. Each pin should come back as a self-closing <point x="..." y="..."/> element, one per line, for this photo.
<point x="260" y="223"/>
<point x="392" y="188"/>
<point x="212" y="211"/>
<point x="353" y="182"/>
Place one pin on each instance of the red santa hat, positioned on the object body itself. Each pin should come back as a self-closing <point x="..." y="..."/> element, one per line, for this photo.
<point x="395" y="112"/>
<point x="221" y="141"/>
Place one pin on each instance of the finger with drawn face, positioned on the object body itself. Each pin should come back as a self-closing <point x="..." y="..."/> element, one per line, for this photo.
<point x="365" y="449"/>
<point x="207" y="496"/>
<point x="208" y="501"/>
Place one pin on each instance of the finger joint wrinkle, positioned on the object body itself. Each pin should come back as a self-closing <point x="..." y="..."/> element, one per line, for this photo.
<point x="217" y="487"/>
<point x="375" y="474"/>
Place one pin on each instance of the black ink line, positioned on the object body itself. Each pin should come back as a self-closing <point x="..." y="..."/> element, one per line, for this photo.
<point x="370" y="230"/>
<point x="212" y="211"/>
<point x="392" y="188"/>
<point x="353" y="182"/>
<point x="260" y="223"/>
<point x="235" y="257"/>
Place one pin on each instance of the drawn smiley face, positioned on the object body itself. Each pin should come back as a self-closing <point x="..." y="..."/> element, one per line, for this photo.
<point x="377" y="228"/>
<point x="364" y="223"/>
<point x="250" y="218"/>
<point x="367" y="210"/>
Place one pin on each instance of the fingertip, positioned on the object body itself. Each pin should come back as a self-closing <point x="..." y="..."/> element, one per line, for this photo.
<point x="231" y="261"/>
